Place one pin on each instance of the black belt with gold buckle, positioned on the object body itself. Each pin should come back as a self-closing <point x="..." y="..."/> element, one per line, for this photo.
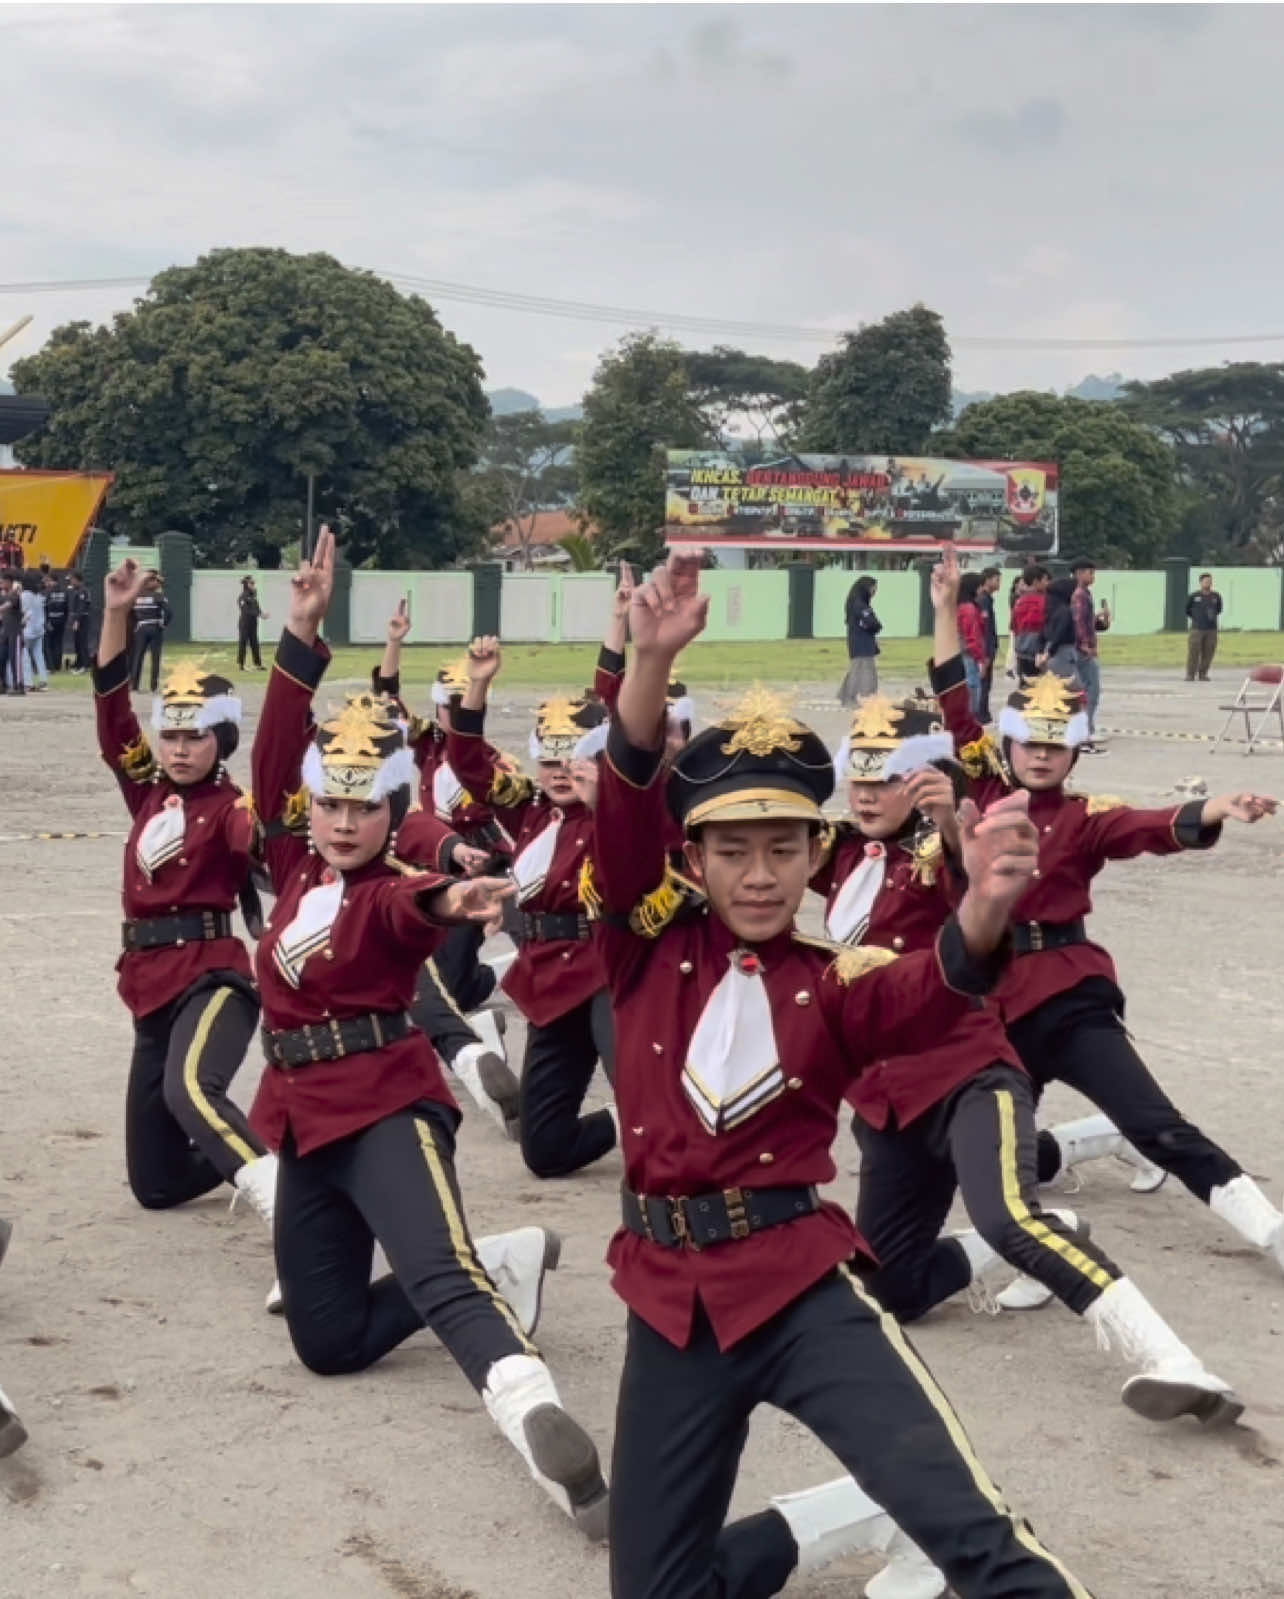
<point x="332" y="1040"/>
<point x="552" y="927"/>
<point x="184" y="927"/>
<point x="1031" y="938"/>
<point x="696" y="1222"/>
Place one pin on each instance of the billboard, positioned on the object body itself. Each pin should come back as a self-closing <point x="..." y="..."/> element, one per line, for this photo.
<point x="46" y="513"/>
<point x="860" y="502"/>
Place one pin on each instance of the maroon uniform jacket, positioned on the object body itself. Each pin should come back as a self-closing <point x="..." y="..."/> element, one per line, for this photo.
<point x="608" y="676"/>
<point x="207" y="875"/>
<point x="913" y="904"/>
<point x="1078" y="834"/>
<point x="549" y="977"/>
<point x="830" y="1022"/>
<point x="369" y="962"/>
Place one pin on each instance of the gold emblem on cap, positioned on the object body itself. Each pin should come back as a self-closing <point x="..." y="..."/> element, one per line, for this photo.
<point x="352" y="737"/>
<point x="760" y="724"/>
<point x="454" y="674"/>
<point x="186" y="682"/>
<point x="1050" y="698"/>
<point x="876" y="720"/>
<point x="556" y="719"/>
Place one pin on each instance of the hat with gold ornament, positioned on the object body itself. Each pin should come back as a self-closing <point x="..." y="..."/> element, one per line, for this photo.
<point x="359" y="753"/>
<point x="892" y="738"/>
<point x="194" y="700"/>
<point x="756" y="764"/>
<point x="566" y="729"/>
<point x="451" y="681"/>
<point x="1046" y="710"/>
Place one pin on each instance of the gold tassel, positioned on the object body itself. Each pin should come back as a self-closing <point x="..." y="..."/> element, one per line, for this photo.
<point x="294" y="813"/>
<point x="510" y="789"/>
<point x="849" y="964"/>
<point x="137" y="761"/>
<point x="589" y="896"/>
<point x="982" y="758"/>
<point x="653" y="914"/>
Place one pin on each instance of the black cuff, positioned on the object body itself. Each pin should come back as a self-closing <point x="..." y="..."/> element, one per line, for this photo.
<point x="945" y="675"/>
<point x="1189" y="829"/>
<point x="107" y="679"/>
<point x="964" y="972"/>
<point x="472" y="723"/>
<point x="391" y="686"/>
<point x="611" y="661"/>
<point x="635" y="766"/>
<point x="305" y="663"/>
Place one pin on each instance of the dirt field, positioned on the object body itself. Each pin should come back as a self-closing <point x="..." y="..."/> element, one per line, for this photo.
<point x="178" y="1449"/>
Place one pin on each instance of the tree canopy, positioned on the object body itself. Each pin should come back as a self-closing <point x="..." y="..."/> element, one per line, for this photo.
<point x="1226" y="425"/>
<point x="526" y="463"/>
<point x="1117" y="477"/>
<point x="885" y="391"/>
<point x="233" y="379"/>
<point x="735" y="391"/>
<point x="639" y="403"/>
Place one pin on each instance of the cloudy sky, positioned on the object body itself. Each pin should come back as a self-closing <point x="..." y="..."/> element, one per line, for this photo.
<point x="1054" y="172"/>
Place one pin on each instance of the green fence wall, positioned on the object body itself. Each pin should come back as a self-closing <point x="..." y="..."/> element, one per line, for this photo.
<point x="747" y="606"/>
<point x="896" y="603"/>
<point x="1250" y="594"/>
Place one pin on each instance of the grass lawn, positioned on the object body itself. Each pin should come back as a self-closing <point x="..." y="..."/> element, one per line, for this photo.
<point x="570" y="666"/>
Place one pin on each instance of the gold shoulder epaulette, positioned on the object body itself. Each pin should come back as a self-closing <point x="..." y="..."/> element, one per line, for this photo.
<point x="849" y="961"/>
<point x="827" y="839"/>
<point x="137" y="761"/>
<point x="508" y="789"/>
<point x="983" y="758"/>
<point x="1097" y="803"/>
<point x="404" y="867"/>
<point x="294" y="813"/>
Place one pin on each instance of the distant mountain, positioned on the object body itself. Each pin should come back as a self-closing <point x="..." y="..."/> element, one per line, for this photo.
<point x="504" y="402"/>
<point x="1090" y="388"/>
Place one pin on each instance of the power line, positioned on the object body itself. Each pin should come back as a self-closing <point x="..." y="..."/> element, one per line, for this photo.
<point x="684" y="322"/>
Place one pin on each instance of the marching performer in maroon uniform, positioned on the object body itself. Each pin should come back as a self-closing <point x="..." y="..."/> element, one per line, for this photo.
<point x="353" y="1095"/>
<point x="456" y="981"/>
<point x="1060" y="999"/>
<point x="183" y="974"/>
<point x="737" y="1040"/>
<point x="557" y="980"/>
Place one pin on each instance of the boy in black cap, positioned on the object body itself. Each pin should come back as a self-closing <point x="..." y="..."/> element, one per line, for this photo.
<point x="737" y="1041"/>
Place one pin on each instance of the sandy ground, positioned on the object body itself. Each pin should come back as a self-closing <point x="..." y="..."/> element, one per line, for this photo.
<point x="177" y="1447"/>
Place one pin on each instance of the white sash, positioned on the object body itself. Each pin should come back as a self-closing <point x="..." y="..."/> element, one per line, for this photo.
<point x="531" y="868"/>
<point x="162" y="838"/>
<point x="310" y="929"/>
<point x="847" y="920"/>
<point x="448" y="793"/>
<point x="733" y="1066"/>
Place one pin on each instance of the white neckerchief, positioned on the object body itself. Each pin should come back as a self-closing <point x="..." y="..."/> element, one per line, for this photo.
<point x="162" y="838"/>
<point x="847" y="920"/>
<point x="733" y="1066"/>
<point x="448" y="793"/>
<point x="310" y="929"/>
<point x="532" y="866"/>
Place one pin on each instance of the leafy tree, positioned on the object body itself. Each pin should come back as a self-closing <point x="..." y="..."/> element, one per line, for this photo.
<point x="733" y="391"/>
<point x="526" y="463"/>
<point x="639" y="404"/>
<point x="1117" y="478"/>
<point x="233" y="379"/>
<point x="583" y="556"/>
<point x="1227" y="426"/>
<point x="884" y="391"/>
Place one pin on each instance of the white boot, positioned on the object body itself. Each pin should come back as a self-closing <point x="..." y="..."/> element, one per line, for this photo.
<point x="1243" y="1205"/>
<point x="1173" y="1381"/>
<point x="908" y="1574"/>
<point x="12" y="1433"/>
<point x="523" y="1403"/>
<point x="1095" y="1138"/>
<point x="515" y="1262"/>
<point x="484" y="1071"/>
<point x="1028" y="1293"/>
<point x="256" y="1182"/>
<point x="830" y="1521"/>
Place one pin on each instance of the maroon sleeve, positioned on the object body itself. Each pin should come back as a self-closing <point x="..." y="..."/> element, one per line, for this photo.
<point x="280" y="742"/>
<point x="121" y="741"/>
<point x="608" y="677"/>
<point x="1121" y="833"/>
<point x="480" y="768"/>
<point x="402" y="908"/>
<point x="424" y="840"/>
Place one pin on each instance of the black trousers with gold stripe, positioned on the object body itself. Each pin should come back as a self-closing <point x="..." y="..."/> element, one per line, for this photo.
<point x="394" y="1181"/>
<point x="183" y="1134"/>
<point x="838" y="1363"/>
<point x="982" y="1142"/>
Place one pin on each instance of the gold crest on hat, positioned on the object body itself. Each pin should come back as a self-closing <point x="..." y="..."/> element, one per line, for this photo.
<point x="760" y="724"/>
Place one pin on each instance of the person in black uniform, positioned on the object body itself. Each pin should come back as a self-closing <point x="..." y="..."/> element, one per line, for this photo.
<point x="152" y="615"/>
<point x="79" y="610"/>
<point x="247" y="626"/>
<point x="55" y="623"/>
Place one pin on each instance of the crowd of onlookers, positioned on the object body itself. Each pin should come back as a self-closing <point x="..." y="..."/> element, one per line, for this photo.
<point x="45" y="623"/>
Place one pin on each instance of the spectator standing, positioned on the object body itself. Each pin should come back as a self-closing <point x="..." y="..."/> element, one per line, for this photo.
<point x="55" y="622"/>
<point x="863" y="628"/>
<point x="247" y="626"/>
<point x="1203" y="608"/>
<point x="972" y="636"/>
<point x="1029" y="612"/>
<point x="991" y="580"/>
<point x="1088" y="622"/>
<point x="32" y="600"/>
<point x="78" y="620"/>
<point x="152" y="615"/>
<point x="11" y="633"/>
